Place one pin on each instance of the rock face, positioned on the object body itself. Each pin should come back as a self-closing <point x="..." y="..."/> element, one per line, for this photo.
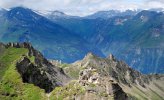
<point x="109" y="78"/>
<point x="118" y="70"/>
<point x="92" y="78"/>
<point x="32" y="74"/>
<point x="98" y="84"/>
<point x="38" y="70"/>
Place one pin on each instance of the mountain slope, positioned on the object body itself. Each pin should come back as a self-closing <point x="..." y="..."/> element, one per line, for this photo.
<point x="55" y="15"/>
<point x="136" y="39"/>
<point x="140" y="41"/>
<point x="112" y="13"/>
<point x="23" y="25"/>
<point x="23" y="69"/>
<point x="110" y="79"/>
<point x="11" y="85"/>
<point x="26" y="74"/>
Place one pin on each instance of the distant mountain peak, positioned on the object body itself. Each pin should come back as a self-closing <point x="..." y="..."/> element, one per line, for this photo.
<point x="17" y="10"/>
<point x="112" y="13"/>
<point x="20" y="9"/>
<point x="2" y="9"/>
<point x="157" y="9"/>
<point x="56" y="12"/>
<point x="53" y="15"/>
<point x="146" y="14"/>
<point x="22" y="13"/>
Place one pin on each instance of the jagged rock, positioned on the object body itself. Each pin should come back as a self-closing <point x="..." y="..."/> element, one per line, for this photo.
<point x="40" y="72"/>
<point x="37" y="75"/>
<point x="109" y="66"/>
<point x="117" y="92"/>
<point x="99" y="78"/>
<point x="97" y="84"/>
<point x="32" y="51"/>
<point x="111" y="57"/>
<point x="109" y="77"/>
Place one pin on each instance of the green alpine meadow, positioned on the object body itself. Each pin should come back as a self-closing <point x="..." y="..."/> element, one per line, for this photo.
<point x="81" y="50"/>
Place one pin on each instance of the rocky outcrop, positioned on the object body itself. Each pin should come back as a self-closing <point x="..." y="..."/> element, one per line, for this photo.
<point x="32" y="51"/>
<point x="40" y="71"/>
<point x="98" y="84"/>
<point x="110" y="66"/>
<point x="97" y="78"/>
<point x="38" y="75"/>
<point x="109" y="78"/>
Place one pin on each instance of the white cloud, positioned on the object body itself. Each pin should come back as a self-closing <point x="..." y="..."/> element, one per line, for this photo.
<point x="83" y="7"/>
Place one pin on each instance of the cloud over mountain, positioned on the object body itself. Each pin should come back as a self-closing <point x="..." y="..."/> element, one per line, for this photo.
<point x="83" y="7"/>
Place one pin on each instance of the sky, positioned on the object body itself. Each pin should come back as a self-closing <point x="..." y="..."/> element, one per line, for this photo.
<point x="82" y="7"/>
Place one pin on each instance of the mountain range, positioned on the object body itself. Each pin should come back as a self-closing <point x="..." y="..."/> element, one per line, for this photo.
<point x="26" y="74"/>
<point x="53" y="40"/>
<point x="137" y="37"/>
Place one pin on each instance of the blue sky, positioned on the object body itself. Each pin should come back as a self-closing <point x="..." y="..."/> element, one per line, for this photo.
<point x="82" y="7"/>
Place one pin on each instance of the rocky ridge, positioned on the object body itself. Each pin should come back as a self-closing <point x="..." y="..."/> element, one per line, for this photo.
<point x="39" y="71"/>
<point x="109" y="78"/>
<point x="92" y="78"/>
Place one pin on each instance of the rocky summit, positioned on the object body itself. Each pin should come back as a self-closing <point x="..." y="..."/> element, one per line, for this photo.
<point x="26" y="74"/>
<point x="110" y="79"/>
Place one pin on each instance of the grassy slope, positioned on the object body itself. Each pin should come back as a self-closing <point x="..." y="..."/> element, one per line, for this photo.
<point x="11" y="85"/>
<point x="67" y="92"/>
<point x="152" y="92"/>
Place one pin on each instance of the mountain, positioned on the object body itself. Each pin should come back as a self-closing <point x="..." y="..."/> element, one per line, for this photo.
<point x="55" y="15"/>
<point x="136" y="39"/>
<point x="54" y="41"/>
<point x="2" y="11"/>
<point x="26" y="74"/>
<point x="112" y="13"/>
<point x="24" y="70"/>
<point x="109" y="78"/>
<point x="140" y="41"/>
<point x="157" y="9"/>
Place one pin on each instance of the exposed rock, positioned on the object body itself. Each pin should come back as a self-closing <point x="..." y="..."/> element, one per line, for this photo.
<point x="99" y="78"/>
<point x="104" y="86"/>
<point x="118" y="70"/>
<point x="109" y="78"/>
<point x="40" y="72"/>
<point x="37" y="75"/>
<point x="111" y="57"/>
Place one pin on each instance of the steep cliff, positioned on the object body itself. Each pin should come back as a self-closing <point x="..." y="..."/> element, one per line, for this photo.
<point x="23" y="70"/>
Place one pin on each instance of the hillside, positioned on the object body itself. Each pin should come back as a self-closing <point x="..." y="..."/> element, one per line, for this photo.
<point x="24" y="70"/>
<point x="108" y="79"/>
<point x="137" y="39"/>
<point x="26" y="74"/>
<point x="54" y="41"/>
